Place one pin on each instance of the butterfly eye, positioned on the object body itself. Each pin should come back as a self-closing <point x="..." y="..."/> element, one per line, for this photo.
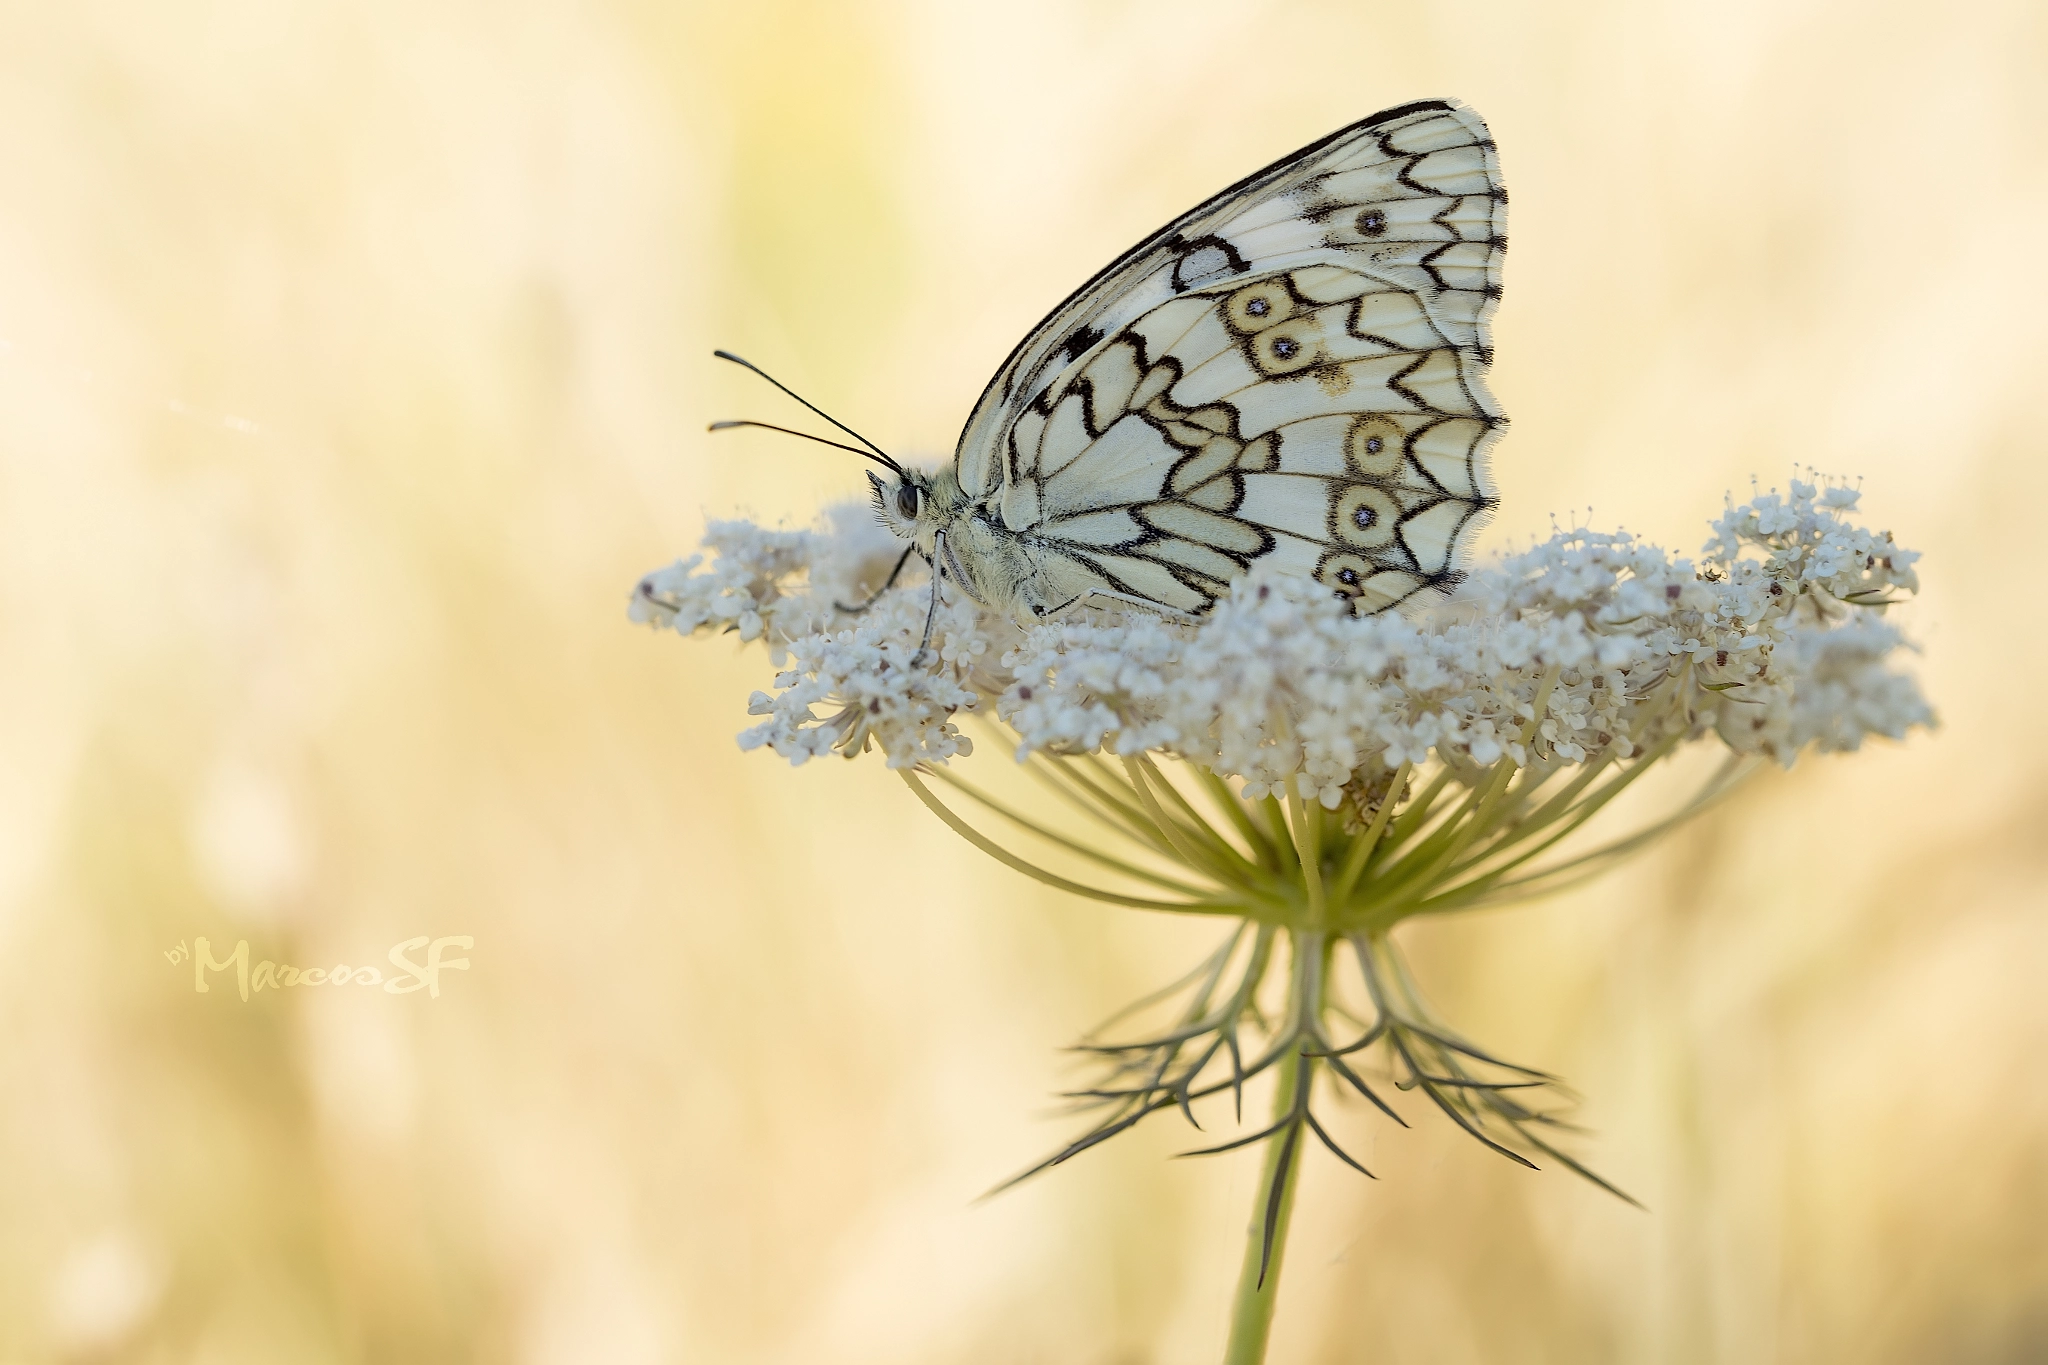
<point x="906" y="500"/>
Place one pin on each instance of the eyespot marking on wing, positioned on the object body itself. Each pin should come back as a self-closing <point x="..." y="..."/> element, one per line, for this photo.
<point x="1369" y="588"/>
<point x="1363" y="516"/>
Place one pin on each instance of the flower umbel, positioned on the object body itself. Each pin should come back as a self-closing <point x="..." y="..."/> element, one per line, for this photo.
<point x="1315" y="778"/>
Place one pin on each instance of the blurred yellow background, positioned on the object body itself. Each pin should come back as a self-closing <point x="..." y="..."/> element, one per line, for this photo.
<point x="355" y="359"/>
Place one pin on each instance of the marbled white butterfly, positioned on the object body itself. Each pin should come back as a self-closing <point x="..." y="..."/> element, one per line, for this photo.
<point x="1289" y="374"/>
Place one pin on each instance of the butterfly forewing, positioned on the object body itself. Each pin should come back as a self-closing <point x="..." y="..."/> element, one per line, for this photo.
<point x="1290" y="374"/>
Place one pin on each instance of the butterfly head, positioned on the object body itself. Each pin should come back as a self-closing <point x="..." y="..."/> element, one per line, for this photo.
<point x="913" y="503"/>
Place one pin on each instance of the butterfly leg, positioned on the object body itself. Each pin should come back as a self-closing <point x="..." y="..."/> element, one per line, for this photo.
<point x="1043" y="612"/>
<point x="931" y="616"/>
<point x="887" y="584"/>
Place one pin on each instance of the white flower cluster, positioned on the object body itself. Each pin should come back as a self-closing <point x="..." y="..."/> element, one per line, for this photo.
<point x="870" y="686"/>
<point x="1585" y="645"/>
<point x="778" y="584"/>
<point x="1282" y="685"/>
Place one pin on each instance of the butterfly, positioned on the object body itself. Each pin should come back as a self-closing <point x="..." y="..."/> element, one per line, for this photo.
<point x="1289" y="374"/>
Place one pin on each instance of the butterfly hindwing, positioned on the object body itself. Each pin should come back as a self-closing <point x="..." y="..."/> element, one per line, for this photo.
<point x="1315" y="419"/>
<point x="1290" y="373"/>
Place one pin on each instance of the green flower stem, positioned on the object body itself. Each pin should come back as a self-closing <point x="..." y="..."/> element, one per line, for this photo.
<point x="1418" y="810"/>
<point x="1009" y="859"/>
<point x="1258" y="1280"/>
<point x="1307" y="820"/>
<point x="1233" y="808"/>
<point x="1274" y="820"/>
<point x="1199" y="848"/>
<point x="1363" y="846"/>
<point x="982" y="798"/>
<point x="1075" y="783"/>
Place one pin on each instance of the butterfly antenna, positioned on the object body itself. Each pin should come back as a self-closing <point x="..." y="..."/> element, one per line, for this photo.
<point x="836" y="445"/>
<point x="880" y="455"/>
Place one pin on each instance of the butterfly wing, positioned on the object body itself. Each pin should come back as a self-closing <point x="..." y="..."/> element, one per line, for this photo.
<point x="1291" y="373"/>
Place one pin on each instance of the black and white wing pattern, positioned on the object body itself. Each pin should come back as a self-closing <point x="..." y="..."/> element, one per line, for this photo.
<point x="1291" y="373"/>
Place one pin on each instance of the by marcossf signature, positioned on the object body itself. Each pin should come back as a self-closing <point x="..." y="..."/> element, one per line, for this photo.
<point x="410" y="975"/>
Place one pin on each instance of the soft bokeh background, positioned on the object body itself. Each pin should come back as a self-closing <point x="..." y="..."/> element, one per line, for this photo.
<point x="355" y="359"/>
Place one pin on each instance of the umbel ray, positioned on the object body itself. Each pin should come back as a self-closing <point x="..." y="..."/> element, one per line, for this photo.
<point x="1289" y="374"/>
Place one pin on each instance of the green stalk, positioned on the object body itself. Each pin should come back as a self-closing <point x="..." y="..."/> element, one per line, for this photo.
<point x="1417" y="810"/>
<point x="1258" y="1281"/>
<point x="1074" y="846"/>
<point x="1363" y="846"/>
<point x="1008" y="859"/>
<point x="1234" y="808"/>
<point x="1308" y="844"/>
<point x="1209" y="854"/>
<point x="1096" y="805"/>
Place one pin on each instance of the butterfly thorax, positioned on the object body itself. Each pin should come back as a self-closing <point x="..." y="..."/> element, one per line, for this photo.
<point x="994" y="565"/>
